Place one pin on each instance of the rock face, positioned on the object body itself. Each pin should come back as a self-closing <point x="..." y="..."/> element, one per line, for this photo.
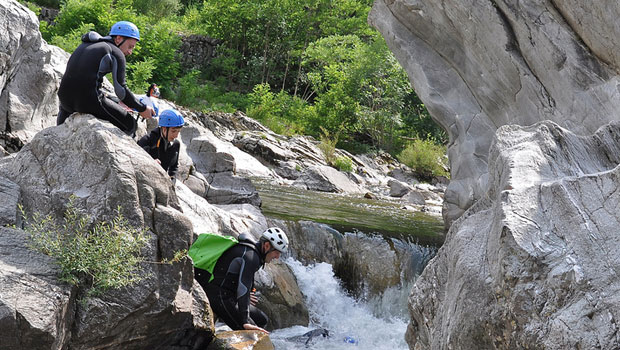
<point x="107" y="170"/>
<point x="30" y="72"/>
<point x="480" y="65"/>
<point x="541" y="250"/>
<point x="36" y="309"/>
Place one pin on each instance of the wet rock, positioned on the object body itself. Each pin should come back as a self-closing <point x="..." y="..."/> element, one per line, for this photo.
<point x="226" y="188"/>
<point x="241" y="340"/>
<point x="229" y="220"/>
<point x="281" y="298"/>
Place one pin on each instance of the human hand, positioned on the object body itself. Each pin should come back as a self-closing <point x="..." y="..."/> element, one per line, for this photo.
<point x="252" y="327"/>
<point x="253" y="297"/>
<point x="148" y="113"/>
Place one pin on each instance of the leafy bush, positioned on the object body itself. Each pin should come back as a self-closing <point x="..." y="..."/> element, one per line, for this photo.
<point x="140" y="73"/>
<point x="96" y="256"/>
<point x="425" y="157"/>
<point x="71" y="40"/>
<point x="281" y="112"/>
<point x="47" y="3"/>
<point x="343" y="163"/>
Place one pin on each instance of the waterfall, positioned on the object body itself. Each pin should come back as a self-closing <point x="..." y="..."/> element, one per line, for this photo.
<point x="350" y="323"/>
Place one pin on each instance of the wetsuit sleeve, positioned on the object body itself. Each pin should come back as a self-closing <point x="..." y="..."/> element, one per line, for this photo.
<point x="246" y="280"/>
<point x="120" y="86"/>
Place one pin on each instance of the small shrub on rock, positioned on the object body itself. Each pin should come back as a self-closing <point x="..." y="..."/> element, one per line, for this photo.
<point x="97" y="257"/>
<point x="426" y="158"/>
<point x="343" y="163"/>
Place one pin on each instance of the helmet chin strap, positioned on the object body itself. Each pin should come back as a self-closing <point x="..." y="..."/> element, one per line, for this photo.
<point x="122" y="42"/>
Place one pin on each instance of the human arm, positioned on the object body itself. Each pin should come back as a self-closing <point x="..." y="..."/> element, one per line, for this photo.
<point x="246" y="281"/>
<point x="120" y="85"/>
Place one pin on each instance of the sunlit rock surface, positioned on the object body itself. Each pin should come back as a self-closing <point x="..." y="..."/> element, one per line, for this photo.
<point x="534" y="263"/>
<point x="105" y="170"/>
<point x="30" y="72"/>
<point x="480" y="65"/>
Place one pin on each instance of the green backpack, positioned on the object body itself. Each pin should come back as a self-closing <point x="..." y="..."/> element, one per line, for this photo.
<point x="208" y="248"/>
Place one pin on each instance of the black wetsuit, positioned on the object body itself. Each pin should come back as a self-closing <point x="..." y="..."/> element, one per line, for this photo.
<point x="80" y="87"/>
<point x="159" y="148"/>
<point x="229" y="291"/>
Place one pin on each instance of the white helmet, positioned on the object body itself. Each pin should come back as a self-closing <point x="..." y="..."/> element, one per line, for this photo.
<point x="277" y="238"/>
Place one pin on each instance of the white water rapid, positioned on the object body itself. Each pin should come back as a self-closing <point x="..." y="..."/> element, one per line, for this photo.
<point x="351" y="324"/>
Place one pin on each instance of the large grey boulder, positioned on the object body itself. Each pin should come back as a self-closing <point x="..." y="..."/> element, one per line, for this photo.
<point x="534" y="264"/>
<point x="324" y="178"/>
<point x="228" y="220"/>
<point x="480" y="65"/>
<point x="30" y="72"/>
<point x="36" y="309"/>
<point x="104" y="169"/>
<point x="203" y="145"/>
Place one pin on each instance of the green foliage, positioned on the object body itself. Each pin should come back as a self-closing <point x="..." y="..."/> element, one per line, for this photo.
<point x="71" y="40"/>
<point x="75" y="13"/>
<point x="343" y="163"/>
<point x="32" y="6"/>
<point x="281" y="112"/>
<point x="140" y="73"/>
<point x="157" y="8"/>
<point x="98" y="257"/>
<point x="296" y="65"/>
<point x="425" y="157"/>
<point x="328" y="145"/>
<point x="195" y="92"/>
<point x="47" y="3"/>
<point x="159" y="44"/>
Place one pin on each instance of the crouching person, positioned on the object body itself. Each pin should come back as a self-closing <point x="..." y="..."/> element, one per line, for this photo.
<point x="229" y="288"/>
<point x="162" y="144"/>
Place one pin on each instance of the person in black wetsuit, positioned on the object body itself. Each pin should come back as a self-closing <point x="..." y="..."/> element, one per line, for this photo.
<point x="162" y="144"/>
<point x="80" y="87"/>
<point x="230" y="291"/>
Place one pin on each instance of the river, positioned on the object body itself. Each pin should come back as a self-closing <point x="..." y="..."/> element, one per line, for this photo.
<point x="369" y="323"/>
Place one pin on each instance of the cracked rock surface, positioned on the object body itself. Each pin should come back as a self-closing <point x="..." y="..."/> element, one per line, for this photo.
<point x="535" y="263"/>
<point x="479" y="65"/>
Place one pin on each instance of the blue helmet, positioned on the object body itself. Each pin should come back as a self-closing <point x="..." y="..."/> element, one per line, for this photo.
<point x="171" y="118"/>
<point x="126" y="29"/>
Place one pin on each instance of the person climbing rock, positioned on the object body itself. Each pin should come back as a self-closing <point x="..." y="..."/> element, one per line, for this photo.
<point x="80" y="87"/>
<point x="230" y="287"/>
<point x="162" y="144"/>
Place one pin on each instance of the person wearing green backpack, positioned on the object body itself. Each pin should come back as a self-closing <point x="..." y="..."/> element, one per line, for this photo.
<point x="228" y="279"/>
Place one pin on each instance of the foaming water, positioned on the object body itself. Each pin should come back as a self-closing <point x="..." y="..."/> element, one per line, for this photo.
<point x="332" y="309"/>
